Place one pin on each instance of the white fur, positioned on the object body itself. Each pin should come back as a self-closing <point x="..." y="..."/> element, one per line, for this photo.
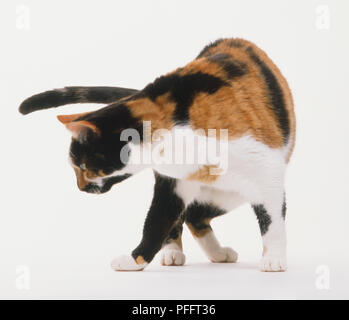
<point x="214" y="251"/>
<point x="126" y="263"/>
<point x="273" y="263"/>
<point x="172" y="255"/>
<point x="226" y="200"/>
<point x="187" y="190"/>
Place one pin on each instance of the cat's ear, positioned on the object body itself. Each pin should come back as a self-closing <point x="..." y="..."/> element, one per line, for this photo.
<point x="78" y="128"/>
<point x="65" y="119"/>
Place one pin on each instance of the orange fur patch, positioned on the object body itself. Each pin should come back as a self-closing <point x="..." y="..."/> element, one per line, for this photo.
<point x="244" y="108"/>
<point x="80" y="177"/>
<point x="198" y="233"/>
<point x="158" y="112"/>
<point x="77" y="127"/>
<point x="203" y="66"/>
<point x="71" y="117"/>
<point x="140" y="260"/>
<point x="264" y="250"/>
<point x="80" y="127"/>
<point x="90" y="175"/>
<point x="204" y="175"/>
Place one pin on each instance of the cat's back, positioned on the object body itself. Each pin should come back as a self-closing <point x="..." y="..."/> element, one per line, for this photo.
<point x="254" y="98"/>
<point x="233" y="85"/>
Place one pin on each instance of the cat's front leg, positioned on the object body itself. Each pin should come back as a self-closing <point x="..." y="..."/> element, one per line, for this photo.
<point x="167" y="205"/>
<point x="271" y="219"/>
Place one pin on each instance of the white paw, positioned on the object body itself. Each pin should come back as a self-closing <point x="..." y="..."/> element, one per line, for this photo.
<point x="273" y="263"/>
<point x="172" y="257"/>
<point x="224" y="255"/>
<point x="127" y="263"/>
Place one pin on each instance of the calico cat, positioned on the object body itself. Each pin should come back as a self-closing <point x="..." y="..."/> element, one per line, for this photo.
<point x="231" y="85"/>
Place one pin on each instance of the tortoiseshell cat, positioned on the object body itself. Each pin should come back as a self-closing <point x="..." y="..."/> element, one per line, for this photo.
<point x="232" y="85"/>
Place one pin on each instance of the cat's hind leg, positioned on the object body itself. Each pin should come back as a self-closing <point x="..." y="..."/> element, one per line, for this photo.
<point x="210" y="204"/>
<point x="271" y="219"/>
<point x="172" y="250"/>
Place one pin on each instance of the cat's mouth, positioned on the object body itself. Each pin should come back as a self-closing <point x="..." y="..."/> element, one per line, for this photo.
<point x="106" y="185"/>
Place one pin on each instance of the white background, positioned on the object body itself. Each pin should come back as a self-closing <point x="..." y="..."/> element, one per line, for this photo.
<point x="67" y="238"/>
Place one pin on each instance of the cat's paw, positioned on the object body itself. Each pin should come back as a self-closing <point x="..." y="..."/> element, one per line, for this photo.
<point x="273" y="264"/>
<point x="172" y="257"/>
<point x="225" y="254"/>
<point x="127" y="263"/>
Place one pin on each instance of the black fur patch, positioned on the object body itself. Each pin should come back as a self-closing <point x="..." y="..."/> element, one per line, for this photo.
<point x="197" y="213"/>
<point x="264" y="219"/>
<point x="183" y="90"/>
<point x="109" y="182"/>
<point x="69" y="95"/>
<point x="164" y="211"/>
<point x="236" y="43"/>
<point x="275" y="94"/>
<point x="48" y="99"/>
<point x="98" y="153"/>
<point x="105" y="94"/>
<point x="176" y="231"/>
<point x="233" y="68"/>
<point x="205" y="50"/>
<point x="113" y="118"/>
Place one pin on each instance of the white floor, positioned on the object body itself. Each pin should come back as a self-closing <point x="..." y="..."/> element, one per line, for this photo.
<point x="196" y="280"/>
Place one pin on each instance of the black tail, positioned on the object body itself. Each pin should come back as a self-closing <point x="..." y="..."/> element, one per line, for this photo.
<point x="68" y="95"/>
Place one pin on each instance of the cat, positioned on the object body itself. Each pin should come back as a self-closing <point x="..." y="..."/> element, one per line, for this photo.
<point x="233" y="85"/>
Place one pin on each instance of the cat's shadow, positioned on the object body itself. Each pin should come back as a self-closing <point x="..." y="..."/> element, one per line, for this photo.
<point x="206" y="266"/>
<point x="210" y="265"/>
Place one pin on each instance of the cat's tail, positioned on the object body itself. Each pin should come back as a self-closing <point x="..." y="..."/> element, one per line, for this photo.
<point x="69" y="95"/>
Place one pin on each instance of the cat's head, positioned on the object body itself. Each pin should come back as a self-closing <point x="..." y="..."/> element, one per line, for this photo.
<point x="97" y="154"/>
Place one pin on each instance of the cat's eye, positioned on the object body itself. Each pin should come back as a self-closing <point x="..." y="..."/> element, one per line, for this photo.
<point x="83" y="166"/>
